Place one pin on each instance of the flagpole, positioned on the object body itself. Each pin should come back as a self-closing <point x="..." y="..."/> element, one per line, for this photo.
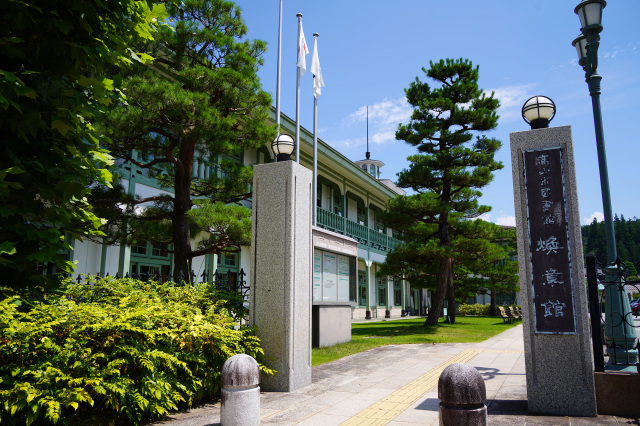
<point x="315" y="147"/>
<point x="299" y="15"/>
<point x="278" y="73"/>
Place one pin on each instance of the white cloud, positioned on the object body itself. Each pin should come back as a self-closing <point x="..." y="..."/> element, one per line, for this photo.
<point x="384" y="118"/>
<point x="348" y="143"/>
<point x="486" y="217"/>
<point x="382" y="137"/>
<point x="502" y="220"/>
<point x="511" y="99"/>
<point x="506" y="221"/>
<point x="599" y="216"/>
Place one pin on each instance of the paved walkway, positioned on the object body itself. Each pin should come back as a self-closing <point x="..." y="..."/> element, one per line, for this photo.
<point x="397" y="385"/>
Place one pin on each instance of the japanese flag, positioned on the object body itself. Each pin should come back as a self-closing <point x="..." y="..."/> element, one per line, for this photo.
<point x="315" y="69"/>
<point x="302" y="49"/>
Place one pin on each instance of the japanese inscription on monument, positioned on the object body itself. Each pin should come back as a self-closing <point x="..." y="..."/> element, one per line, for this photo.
<point x="549" y="242"/>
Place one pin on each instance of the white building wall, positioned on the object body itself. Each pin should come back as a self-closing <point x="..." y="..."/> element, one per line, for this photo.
<point x="86" y="256"/>
<point x="245" y="261"/>
<point x="113" y="256"/>
<point x="251" y="157"/>
<point x="198" y="266"/>
<point x="148" y="191"/>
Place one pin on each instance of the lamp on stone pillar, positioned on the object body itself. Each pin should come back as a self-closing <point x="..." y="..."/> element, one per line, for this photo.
<point x="538" y="112"/>
<point x="283" y="145"/>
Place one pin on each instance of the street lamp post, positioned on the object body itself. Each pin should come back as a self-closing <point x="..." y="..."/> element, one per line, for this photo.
<point x="620" y="335"/>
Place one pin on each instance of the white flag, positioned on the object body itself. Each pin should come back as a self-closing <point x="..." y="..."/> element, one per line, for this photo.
<point x="302" y="49"/>
<point x="315" y="69"/>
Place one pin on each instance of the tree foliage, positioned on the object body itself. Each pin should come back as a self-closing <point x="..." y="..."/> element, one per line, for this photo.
<point x="444" y="239"/>
<point x="53" y="56"/>
<point x="114" y="351"/>
<point x="627" y="241"/>
<point x="198" y="106"/>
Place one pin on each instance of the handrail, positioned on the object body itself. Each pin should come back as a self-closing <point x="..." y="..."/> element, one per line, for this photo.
<point x="363" y="234"/>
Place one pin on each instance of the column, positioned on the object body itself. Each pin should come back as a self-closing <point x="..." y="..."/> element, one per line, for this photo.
<point x="281" y="273"/>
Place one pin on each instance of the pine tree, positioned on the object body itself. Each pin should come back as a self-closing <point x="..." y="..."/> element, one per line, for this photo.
<point x="201" y="103"/>
<point x="440" y="222"/>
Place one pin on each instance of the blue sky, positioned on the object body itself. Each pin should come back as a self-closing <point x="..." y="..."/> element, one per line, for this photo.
<point x="370" y="51"/>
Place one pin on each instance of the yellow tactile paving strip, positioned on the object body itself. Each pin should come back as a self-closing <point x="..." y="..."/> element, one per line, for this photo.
<point x="385" y="410"/>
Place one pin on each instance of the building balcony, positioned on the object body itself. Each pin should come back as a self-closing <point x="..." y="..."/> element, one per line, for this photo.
<point x="367" y="237"/>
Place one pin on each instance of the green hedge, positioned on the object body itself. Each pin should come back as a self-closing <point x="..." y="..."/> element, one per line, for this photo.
<point x="121" y="350"/>
<point x="475" y="309"/>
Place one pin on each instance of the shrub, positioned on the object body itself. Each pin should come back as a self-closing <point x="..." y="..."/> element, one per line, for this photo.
<point x="124" y="350"/>
<point x="475" y="309"/>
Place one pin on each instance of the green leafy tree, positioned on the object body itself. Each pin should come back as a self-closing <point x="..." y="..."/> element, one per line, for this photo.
<point x="486" y="265"/>
<point x="439" y="221"/>
<point x="627" y="236"/>
<point x="53" y="56"/>
<point x="630" y="269"/>
<point x="200" y="103"/>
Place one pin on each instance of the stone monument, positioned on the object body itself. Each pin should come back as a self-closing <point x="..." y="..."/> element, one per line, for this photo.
<point x="281" y="255"/>
<point x="558" y="353"/>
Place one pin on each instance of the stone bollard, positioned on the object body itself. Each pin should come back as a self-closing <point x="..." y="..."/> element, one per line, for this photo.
<point x="462" y="394"/>
<point x="240" y="405"/>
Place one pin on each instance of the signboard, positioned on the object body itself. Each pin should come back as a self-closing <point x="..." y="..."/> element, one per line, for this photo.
<point x="317" y="276"/>
<point x="329" y="290"/>
<point x="343" y="278"/>
<point x="549" y="252"/>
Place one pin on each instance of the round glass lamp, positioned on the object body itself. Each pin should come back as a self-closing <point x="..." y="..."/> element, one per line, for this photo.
<point x="590" y="13"/>
<point x="580" y="43"/>
<point x="283" y="146"/>
<point x="538" y="112"/>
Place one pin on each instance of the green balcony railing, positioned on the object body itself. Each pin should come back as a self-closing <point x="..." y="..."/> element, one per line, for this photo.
<point x="357" y="231"/>
<point x="331" y="221"/>
<point x="364" y="235"/>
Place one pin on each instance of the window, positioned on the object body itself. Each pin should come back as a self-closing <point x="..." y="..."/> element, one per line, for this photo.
<point x="140" y="249"/>
<point x="159" y="250"/>
<point x="228" y="259"/>
<point x="397" y="293"/>
<point x="362" y="288"/>
<point x="382" y="291"/>
<point x="505" y="299"/>
<point x="145" y="272"/>
<point x="337" y="204"/>
<point x="372" y="170"/>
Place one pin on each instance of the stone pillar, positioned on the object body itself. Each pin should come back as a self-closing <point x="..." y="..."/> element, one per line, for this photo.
<point x="558" y="353"/>
<point x="462" y="394"/>
<point x="240" y="402"/>
<point x="281" y="259"/>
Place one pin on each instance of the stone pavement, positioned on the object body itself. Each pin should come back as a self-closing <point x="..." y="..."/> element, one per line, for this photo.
<point x="398" y="385"/>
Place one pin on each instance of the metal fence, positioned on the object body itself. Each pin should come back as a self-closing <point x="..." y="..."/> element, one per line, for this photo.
<point x="618" y="344"/>
<point x="229" y="281"/>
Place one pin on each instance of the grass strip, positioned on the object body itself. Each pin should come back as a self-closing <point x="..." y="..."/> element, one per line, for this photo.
<point x="369" y="335"/>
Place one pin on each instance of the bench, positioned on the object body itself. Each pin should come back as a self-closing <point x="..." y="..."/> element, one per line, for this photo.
<point x="504" y="315"/>
<point x="515" y="314"/>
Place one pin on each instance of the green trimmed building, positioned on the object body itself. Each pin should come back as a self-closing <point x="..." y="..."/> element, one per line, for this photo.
<point x="350" y="197"/>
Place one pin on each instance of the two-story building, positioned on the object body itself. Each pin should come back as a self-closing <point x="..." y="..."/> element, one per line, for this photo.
<point x="350" y="197"/>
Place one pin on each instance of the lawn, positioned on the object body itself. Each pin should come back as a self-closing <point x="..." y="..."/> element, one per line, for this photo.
<point x="368" y="335"/>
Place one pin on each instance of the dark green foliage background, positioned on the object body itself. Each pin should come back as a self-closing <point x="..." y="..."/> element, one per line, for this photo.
<point x="627" y="240"/>
<point x="114" y="351"/>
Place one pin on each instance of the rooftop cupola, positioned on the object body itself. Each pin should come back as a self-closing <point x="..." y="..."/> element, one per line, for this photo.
<point x="368" y="165"/>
